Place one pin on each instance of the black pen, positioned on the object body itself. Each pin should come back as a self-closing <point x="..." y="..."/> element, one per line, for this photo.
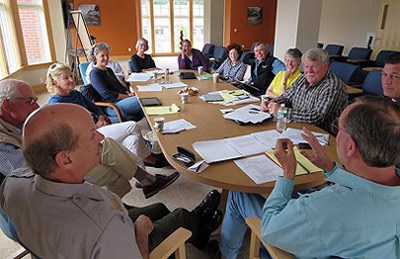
<point x="198" y="167"/>
<point x="305" y="168"/>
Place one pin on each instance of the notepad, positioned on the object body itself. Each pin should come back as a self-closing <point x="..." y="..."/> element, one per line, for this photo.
<point x="303" y="166"/>
<point x="163" y="110"/>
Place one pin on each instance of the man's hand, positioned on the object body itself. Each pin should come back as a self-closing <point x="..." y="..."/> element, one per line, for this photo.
<point x="102" y="121"/>
<point x="285" y="155"/>
<point x="317" y="155"/>
<point x="264" y="106"/>
<point x="143" y="228"/>
<point x="273" y="108"/>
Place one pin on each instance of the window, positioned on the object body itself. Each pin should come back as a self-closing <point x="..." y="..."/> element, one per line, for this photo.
<point x="34" y="31"/>
<point x="23" y="34"/>
<point x="163" y="21"/>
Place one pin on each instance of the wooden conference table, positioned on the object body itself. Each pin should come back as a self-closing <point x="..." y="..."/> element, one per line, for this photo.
<point x="212" y="126"/>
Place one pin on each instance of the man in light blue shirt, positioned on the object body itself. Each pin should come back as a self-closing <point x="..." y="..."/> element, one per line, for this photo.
<point x="358" y="216"/>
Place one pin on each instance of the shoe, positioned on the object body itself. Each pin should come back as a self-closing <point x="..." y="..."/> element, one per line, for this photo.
<point x="128" y="207"/>
<point x="213" y="250"/>
<point x="205" y="230"/>
<point x="138" y="185"/>
<point x="210" y="201"/>
<point x="160" y="162"/>
<point x="162" y="181"/>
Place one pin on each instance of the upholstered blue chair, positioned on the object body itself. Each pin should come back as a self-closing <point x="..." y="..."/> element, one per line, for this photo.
<point x="82" y="70"/>
<point x="334" y="49"/>
<point x="349" y="73"/>
<point x="208" y="50"/>
<point x="218" y="57"/>
<point x="372" y="84"/>
<point x="379" y="60"/>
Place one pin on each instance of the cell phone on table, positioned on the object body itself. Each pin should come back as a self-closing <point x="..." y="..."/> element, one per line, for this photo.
<point x="304" y="145"/>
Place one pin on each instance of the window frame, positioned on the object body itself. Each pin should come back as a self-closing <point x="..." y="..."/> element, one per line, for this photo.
<point x="12" y="13"/>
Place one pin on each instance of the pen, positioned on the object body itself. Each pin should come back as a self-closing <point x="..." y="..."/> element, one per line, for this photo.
<point x="198" y="167"/>
<point x="305" y="168"/>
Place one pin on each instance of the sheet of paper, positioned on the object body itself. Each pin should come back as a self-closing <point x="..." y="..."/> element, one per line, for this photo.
<point x="248" y="114"/>
<point x="149" y="88"/>
<point x="163" y="110"/>
<point x="295" y="136"/>
<point x="177" y="126"/>
<point x="215" y="150"/>
<point x="259" y="168"/>
<point x="174" y="85"/>
<point x="138" y="77"/>
<point x="267" y="138"/>
<point x="246" y="145"/>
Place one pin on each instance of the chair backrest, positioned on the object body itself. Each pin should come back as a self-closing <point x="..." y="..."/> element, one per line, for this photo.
<point x="82" y="70"/>
<point x="247" y="57"/>
<point x="349" y="73"/>
<point x="208" y="50"/>
<point x="382" y="56"/>
<point x="360" y="53"/>
<point x="320" y="45"/>
<point x="334" y="49"/>
<point x="220" y="53"/>
<point x="90" y="93"/>
<point x="130" y="66"/>
<point x="372" y="84"/>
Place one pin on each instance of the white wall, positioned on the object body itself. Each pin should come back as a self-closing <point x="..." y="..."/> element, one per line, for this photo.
<point x="347" y="22"/>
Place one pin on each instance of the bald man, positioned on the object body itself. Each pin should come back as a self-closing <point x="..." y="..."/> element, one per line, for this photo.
<point x="54" y="208"/>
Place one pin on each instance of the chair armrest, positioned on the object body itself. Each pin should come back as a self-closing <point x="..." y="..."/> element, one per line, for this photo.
<point x="255" y="225"/>
<point x="174" y="243"/>
<point x="111" y="105"/>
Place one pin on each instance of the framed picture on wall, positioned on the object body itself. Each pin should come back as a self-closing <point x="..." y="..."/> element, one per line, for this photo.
<point x="91" y="13"/>
<point x="254" y="15"/>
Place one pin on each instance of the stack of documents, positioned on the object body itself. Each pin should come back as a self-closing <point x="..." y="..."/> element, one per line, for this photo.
<point x="248" y="114"/>
<point x="204" y="76"/>
<point x="176" y="126"/>
<point x="233" y="97"/>
<point x="162" y="110"/>
<point x="149" y="88"/>
<point x="304" y="166"/>
<point x="260" y="169"/>
<point x="138" y="77"/>
<point x="169" y="85"/>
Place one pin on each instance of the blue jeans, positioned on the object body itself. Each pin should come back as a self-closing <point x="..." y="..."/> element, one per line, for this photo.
<point x="129" y="107"/>
<point x="239" y="206"/>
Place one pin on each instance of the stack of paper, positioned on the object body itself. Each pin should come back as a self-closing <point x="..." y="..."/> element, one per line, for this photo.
<point x="204" y="76"/>
<point x="260" y="169"/>
<point x="170" y="85"/>
<point x="138" y="77"/>
<point x="304" y="166"/>
<point x="149" y="88"/>
<point x="295" y="136"/>
<point x="162" y="110"/>
<point x="248" y="114"/>
<point x="176" y="126"/>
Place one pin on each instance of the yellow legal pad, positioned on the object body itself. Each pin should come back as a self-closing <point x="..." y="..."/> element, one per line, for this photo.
<point x="162" y="110"/>
<point x="303" y="166"/>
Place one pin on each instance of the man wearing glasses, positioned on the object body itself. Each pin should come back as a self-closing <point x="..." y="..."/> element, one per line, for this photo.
<point x="316" y="97"/>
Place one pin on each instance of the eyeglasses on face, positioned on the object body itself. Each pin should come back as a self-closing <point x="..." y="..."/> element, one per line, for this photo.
<point x="313" y="67"/>
<point x="29" y="100"/>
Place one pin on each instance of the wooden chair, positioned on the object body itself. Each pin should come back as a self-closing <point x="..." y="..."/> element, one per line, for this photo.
<point x="255" y="225"/>
<point x="174" y="243"/>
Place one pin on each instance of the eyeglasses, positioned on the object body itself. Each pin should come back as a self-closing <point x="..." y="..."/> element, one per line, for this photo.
<point x="29" y="100"/>
<point x="313" y="67"/>
<point x="335" y="127"/>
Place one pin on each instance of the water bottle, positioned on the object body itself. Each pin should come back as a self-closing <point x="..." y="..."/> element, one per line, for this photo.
<point x="281" y="118"/>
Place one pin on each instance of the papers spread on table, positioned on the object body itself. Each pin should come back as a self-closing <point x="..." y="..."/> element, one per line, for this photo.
<point x="204" y="76"/>
<point x="149" y="88"/>
<point x="230" y="148"/>
<point x="169" y="85"/>
<point x="260" y="168"/>
<point x="295" y="136"/>
<point x="248" y="114"/>
<point x="232" y="97"/>
<point x="138" y="77"/>
<point x="176" y="126"/>
<point x="304" y="166"/>
<point x="163" y="110"/>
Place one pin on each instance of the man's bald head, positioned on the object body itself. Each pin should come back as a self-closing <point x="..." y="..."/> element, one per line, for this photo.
<point x="53" y="129"/>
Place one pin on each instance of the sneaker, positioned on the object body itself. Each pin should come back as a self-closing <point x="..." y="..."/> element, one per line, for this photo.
<point x="162" y="181"/>
<point x="213" y="250"/>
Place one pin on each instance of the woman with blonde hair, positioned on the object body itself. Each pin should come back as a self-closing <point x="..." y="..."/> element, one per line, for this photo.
<point x="61" y="85"/>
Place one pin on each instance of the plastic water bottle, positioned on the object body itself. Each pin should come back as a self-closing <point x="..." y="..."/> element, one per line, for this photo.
<point x="281" y="118"/>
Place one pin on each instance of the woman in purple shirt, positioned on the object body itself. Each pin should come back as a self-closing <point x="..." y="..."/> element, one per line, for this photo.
<point x="191" y="58"/>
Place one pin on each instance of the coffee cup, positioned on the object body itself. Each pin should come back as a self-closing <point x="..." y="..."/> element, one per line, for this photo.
<point x="155" y="75"/>
<point x="215" y="78"/>
<point x="185" y="98"/>
<point x="199" y="70"/>
<point x="159" y="123"/>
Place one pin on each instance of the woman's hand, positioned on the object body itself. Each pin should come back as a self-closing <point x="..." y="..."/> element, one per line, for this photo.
<point x="102" y="121"/>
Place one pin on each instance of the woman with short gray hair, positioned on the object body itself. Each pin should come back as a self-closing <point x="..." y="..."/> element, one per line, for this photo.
<point x="140" y="61"/>
<point x="109" y="88"/>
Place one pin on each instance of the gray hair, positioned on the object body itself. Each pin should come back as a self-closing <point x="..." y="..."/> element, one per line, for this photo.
<point x="294" y="53"/>
<point x="315" y="54"/>
<point x="141" y="41"/>
<point x="54" y="72"/>
<point x="374" y="124"/>
<point x="96" y="49"/>
<point x="260" y="43"/>
<point x="40" y="154"/>
<point x="9" y="89"/>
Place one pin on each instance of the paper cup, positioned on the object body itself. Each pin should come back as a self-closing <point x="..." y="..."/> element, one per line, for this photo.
<point x="159" y="123"/>
<point x="215" y="78"/>
<point x="199" y="70"/>
<point x="185" y="98"/>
